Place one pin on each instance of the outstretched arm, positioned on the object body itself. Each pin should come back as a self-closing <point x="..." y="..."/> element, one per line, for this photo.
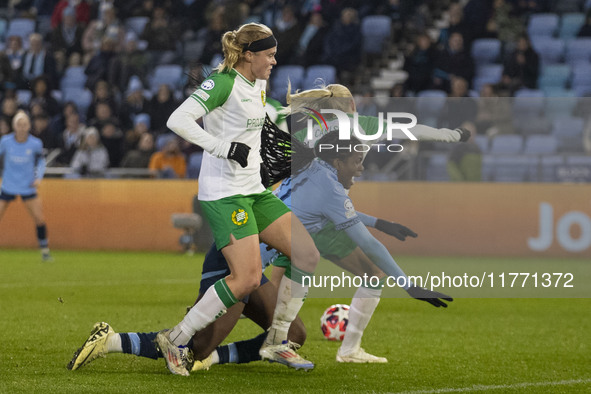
<point x="394" y="229"/>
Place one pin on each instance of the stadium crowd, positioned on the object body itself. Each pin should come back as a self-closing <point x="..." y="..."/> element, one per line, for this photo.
<point x="117" y="69"/>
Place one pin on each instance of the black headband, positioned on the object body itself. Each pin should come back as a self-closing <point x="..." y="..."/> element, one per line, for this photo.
<point x="260" y="45"/>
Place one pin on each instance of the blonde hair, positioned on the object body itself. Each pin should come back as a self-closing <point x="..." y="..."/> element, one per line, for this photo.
<point x="234" y="41"/>
<point x="322" y="97"/>
<point x="20" y="114"/>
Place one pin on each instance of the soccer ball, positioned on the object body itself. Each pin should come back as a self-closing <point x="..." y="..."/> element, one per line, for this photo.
<point x="334" y="322"/>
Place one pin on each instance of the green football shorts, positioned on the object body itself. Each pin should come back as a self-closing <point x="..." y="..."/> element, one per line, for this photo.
<point x="332" y="243"/>
<point x="242" y="215"/>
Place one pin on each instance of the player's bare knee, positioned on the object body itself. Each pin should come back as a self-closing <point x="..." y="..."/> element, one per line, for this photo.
<point x="308" y="260"/>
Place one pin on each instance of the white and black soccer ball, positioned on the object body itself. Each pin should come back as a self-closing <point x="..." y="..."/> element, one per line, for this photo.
<point x="334" y="322"/>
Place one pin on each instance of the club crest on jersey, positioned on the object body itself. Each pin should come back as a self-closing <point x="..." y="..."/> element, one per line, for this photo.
<point x="349" y="210"/>
<point x="239" y="217"/>
<point x="207" y="84"/>
<point x="264" y="97"/>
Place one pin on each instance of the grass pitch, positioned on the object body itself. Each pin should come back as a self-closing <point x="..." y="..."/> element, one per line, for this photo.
<point x="476" y="345"/>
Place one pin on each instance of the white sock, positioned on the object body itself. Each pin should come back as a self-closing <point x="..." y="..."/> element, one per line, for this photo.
<point x="209" y="308"/>
<point x="114" y="344"/>
<point x="363" y="305"/>
<point x="290" y="298"/>
<point x="215" y="358"/>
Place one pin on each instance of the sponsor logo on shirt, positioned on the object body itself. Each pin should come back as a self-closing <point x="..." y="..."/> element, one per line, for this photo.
<point x="208" y="84"/>
<point x="202" y="95"/>
<point x="349" y="210"/>
<point x="239" y="217"/>
<point x="254" y="123"/>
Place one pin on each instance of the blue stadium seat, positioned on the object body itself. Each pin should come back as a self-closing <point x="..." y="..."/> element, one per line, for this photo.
<point x="551" y="50"/>
<point x="194" y="165"/>
<point x="23" y="96"/>
<point x="162" y="139"/>
<point x="376" y="30"/>
<point x="486" y="50"/>
<point x="570" y="24"/>
<point x="512" y="168"/>
<point x="554" y="75"/>
<point x="482" y="142"/>
<point x="168" y="74"/>
<point x="578" y="51"/>
<point x="293" y="73"/>
<point x="540" y="144"/>
<point x="3" y="28"/>
<point x="560" y="104"/>
<point x="582" y="77"/>
<point x="21" y="27"/>
<point x="136" y="24"/>
<point x="74" y="77"/>
<point x="320" y="74"/>
<point x="437" y="168"/>
<point x="528" y="102"/>
<point x="569" y="133"/>
<point x="542" y="25"/>
<point x="488" y="167"/>
<point x="428" y="106"/>
<point x="546" y="169"/>
<point x="527" y="124"/>
<point x="82" y="97"/>
<point x="506" y="144"/>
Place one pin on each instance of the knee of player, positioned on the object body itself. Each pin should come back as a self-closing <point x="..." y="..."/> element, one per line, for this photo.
<point x="309" y="260"/>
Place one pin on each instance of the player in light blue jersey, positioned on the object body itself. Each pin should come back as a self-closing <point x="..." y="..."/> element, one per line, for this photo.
<point x="24" y="165"/>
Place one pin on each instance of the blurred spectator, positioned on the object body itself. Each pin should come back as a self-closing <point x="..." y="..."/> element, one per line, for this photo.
<point x="112" y="139"/>
<point x="503" y="24"/>
<point x="82" y="11"/>
<point x="42" y="96"/>
<point x="311" y="41"/>
<point x="287" y="31"/>
<point x="160" y="108"/>
<point x="6" y="74"/>
<point x="456" y="25"/>
<point x="211" y="35"/>
<point x="103" y="114"/>
<point x="495" y="115"/>
<point x="134" y="103"/>
<point x="140" y="157"/>
<point x="452" y="61"/>
<point x="365" y="103"/>
<point x="102" y="94"/>
<point x="131" y="61"/>
<point x="420" y="63"/>
<point x="57" y="124"/>
<point x="161" y="36"/>
<point x="9" y="108"/>
<point x="146" y="8"/>
<point x="40" y="130"/>
<point x="70" y="139"/>
<point x="465" y="160"/>
<point x="107" y="27"/>
<point x="15" y="53"/>
<point x="4" y="126"/>
<point x="459" y="107"/>
<point x="99" y="65"/>
<point x="476" y="15"/>
<point x="585" y="30"/>
<point x="91" y="159"/>
<point x="522" y="67"/>
<point x="37" y="61"/>
<point x="169" y="162"/>
<point x="141" y="126"/>
<point x="342" y="45"/>
<point x="67" y="37"/>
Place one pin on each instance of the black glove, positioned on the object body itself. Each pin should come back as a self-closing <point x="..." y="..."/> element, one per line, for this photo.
<point x="265" y="178"/>
<point x="464" y="134"/>
<point x="239" y="153"/>
<point x="394" y="229"/>
<point x="432" y="297"/>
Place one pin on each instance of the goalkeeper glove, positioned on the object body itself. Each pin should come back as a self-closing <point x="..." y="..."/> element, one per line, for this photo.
<point x="394" y="229"/>
<point x="464" y="134"/>
<point x="432" y="297"/>
<point x="239" y="153"/>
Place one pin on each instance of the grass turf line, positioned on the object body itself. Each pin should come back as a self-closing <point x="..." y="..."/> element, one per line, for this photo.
<point x="48" y="310"/>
